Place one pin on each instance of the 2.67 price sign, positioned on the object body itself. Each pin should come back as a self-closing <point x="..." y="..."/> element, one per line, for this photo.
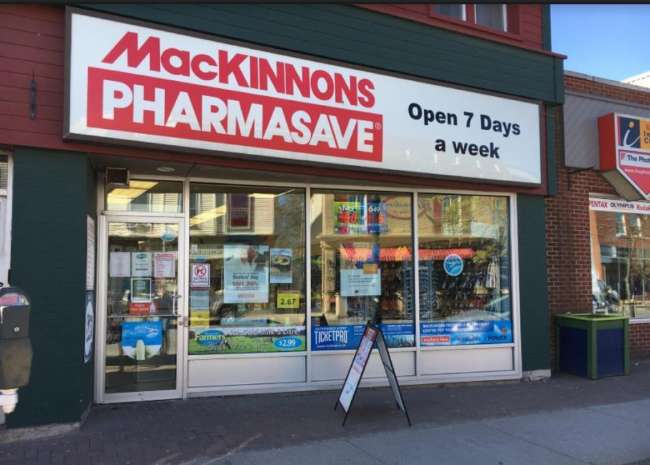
<point x="288" y="299"/>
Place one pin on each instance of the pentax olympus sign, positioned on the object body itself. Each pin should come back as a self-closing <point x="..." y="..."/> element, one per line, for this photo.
<point x="134" y="84"/>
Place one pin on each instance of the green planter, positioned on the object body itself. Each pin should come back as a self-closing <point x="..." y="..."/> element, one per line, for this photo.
<point x="593" y="346"/>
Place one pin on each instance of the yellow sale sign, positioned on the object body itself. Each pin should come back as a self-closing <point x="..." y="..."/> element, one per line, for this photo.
<point x="288" y="299"/>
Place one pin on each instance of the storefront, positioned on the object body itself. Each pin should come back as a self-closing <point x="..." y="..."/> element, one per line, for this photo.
<point x="274" y="201"/>
<point x="604" y="185"/>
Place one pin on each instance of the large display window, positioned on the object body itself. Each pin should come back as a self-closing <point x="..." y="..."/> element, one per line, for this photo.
<point x="464" y="270"/>
<point x="246" y="270"/>
<point x="361" y="267"/>
<point x="620" y="256"/>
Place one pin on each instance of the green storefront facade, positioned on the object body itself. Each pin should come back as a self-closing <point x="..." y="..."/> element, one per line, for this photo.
<point x="65" y="180"/>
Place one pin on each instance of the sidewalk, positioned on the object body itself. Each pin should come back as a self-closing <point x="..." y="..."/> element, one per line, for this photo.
<point x="565" y="420"/>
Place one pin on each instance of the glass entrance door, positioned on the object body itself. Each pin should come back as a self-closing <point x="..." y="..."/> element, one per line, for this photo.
<point x="143" y="330"/>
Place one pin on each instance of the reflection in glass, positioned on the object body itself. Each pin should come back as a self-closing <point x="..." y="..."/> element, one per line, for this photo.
<point x="491" y="15"/>
<point x="141" y="303"/>
<point x="620" y="262"/>
<point x="147" y="197"/>
<point x="464" y="270"/>
<point x="247" y="270"/>
<point x="361" y="267"/>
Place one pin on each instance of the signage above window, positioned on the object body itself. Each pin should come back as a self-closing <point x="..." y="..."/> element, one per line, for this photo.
<point x="141" y="85"/>
<point x="625" y="154"/>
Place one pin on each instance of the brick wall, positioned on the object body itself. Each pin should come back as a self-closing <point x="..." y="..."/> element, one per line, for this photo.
<point x="567" y="224"/>
<point x="640" y="340"/>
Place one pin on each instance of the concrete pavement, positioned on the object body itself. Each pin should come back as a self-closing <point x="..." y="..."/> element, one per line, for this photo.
<point x="564" y="420"/>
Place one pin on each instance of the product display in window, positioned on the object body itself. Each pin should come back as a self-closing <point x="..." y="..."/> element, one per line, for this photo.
<point x="361" y="262"/>
<point x="464" y="270"/>
<point x="247" y="270"/>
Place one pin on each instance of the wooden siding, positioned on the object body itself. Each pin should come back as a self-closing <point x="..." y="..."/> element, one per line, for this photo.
<point x="524" y="22"/>
<point x="32" y="44"/>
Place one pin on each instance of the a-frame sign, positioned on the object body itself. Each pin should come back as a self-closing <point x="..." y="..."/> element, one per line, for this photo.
<point x="372" y="336"/>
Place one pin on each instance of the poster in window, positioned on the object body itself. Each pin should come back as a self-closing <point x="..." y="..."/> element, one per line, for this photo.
<point x="200" y="275"/>
<point x="120" y="264"/>
<point x="246" y="273"/>
<point x="281" y="266"/>
<point x="141" y="339"/>
<point x="164" y="265"/>
<point x="360" y="272"/>
<point x="141" y="265"/>
<point x="349" y="218"/>
<point x="141" y="290"/>
<point x="466" y="332"/>
<point x="246" y="339"/>
<point x="376" y="217"/>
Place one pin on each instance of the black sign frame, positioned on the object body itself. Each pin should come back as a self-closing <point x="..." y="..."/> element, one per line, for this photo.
<point x="379" y="342"/>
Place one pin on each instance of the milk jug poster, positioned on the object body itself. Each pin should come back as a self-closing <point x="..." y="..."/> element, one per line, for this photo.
<point x="246" y="273"/>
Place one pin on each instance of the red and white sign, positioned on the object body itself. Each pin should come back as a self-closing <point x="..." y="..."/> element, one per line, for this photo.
<point x="625" y="153"/>
<point x="200" y="276"/>
<point x="130" y="83"/>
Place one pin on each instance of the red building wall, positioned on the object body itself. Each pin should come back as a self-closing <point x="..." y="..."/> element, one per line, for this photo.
<point x="524" y="22"/>
<point x="32" y="44"/>
<point x="567" y="224"/>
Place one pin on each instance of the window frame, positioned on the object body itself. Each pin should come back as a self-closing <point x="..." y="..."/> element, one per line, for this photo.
<point x="504" y="18"/>
<point x="260" y="182"/>
<point x="469" y="19"/>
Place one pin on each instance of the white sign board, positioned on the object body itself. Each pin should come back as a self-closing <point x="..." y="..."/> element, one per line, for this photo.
<point x="143" y="85"/>
<point x="619" y="206"/>
<point x="200" y="276"/>
<point x="90" y="253"/>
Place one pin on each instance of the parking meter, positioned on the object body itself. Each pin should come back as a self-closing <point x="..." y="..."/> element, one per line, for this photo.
<point x="15" y="346"/>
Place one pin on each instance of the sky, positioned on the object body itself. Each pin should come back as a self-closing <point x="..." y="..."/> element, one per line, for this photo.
<point x="608" y="41"/>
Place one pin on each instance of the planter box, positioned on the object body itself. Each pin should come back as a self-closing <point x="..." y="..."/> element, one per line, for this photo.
<point x="593" y="346"/>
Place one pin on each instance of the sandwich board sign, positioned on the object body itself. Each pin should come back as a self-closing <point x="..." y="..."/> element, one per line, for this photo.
<point x="372" y="336"/>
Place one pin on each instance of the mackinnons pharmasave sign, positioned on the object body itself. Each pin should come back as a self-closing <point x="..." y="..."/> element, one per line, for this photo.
<point x="136" y="84"/>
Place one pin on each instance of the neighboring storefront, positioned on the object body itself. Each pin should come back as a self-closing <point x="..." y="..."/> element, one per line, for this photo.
<point x="600" y="220"/>
<point x="281" y="194"/>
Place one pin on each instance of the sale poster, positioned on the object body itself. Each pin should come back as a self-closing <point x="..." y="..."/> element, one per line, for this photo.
<point x="376" y="217"/>
<point x="349" y="218"/>
<point x="141" y="264"/>
<point x="246" y="273"/>
<point x="288" y="299"/>
<point x="281" y="266"/>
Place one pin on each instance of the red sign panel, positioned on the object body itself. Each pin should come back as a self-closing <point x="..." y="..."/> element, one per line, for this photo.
<point x="625" y="153"/>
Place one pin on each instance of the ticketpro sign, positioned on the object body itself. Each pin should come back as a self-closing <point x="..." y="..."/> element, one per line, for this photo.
<point x="143" y="85"/>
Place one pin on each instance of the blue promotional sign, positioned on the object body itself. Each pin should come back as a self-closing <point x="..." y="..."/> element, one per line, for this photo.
<point x="142" y="339"/>
<point x="376" y="216"/>
<point x="347" y="337"/>
<point x="149" y="331"/>
<point x="210" y="337"/>
<point x="288" y="343"/>
<point x="442" y="333"/>
<point x="453" y="264"/>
